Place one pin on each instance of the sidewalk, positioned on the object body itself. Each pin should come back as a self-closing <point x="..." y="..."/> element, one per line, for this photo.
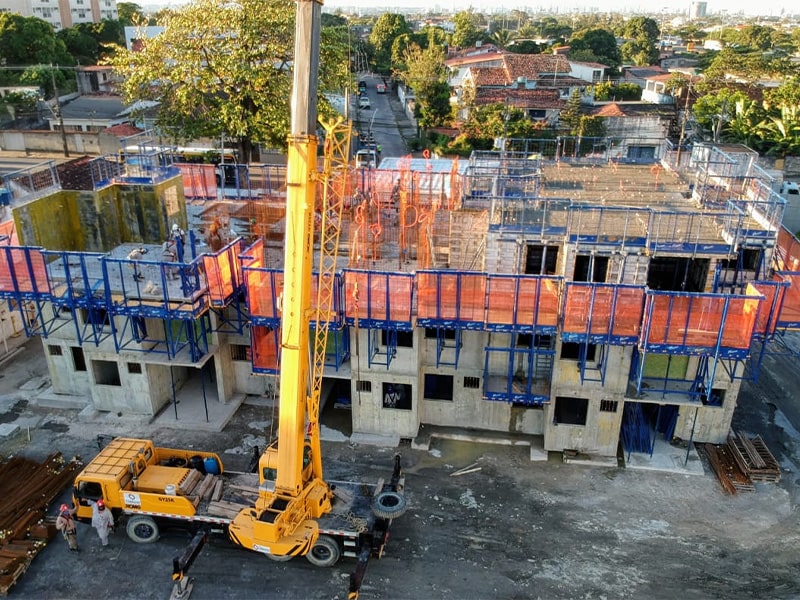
<point x="405" y="125"/>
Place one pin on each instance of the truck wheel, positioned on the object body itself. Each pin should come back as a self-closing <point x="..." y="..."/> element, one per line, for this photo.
<point x="389" y="505"/>
<point x="275" y="558"/>
<point x="142" y="530"/>
<point x="324" y="553"/>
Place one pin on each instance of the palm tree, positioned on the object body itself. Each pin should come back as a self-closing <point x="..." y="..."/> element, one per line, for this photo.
<point x="503" y="38"/>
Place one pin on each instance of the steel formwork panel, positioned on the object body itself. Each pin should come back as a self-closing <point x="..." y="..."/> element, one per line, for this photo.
<point x="451" y="300"/>
<point x="523" y="303"/>
<point x="224" y="274"/>
<point x="699" y="324"/>
<point x="380" y="300"/>
<point x="602" y="313"/>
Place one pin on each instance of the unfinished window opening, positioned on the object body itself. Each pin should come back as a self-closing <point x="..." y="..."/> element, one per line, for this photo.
<point x="106" y="372"/>
<point x="95" y="316"/>
<point x="363" y="385"/>
<point x="676" y="274"/>
<point x="716" y="398"/>
<point x="240" y="352"/>
<point x="570" y="411"/>
<point x="589" y="267"/>
<point x="433" y="333"/>
<point x="438" y="387"/>
<point x="135" y="368"/>
<point x="54" y="350"/>
<point x="578" y="351"/>
<point x="541" y="260"/>
<point x="472" y="383"/>
<point x="78" y="359"/>
<point x="397" y="395"/>
<point x="404" y="338"/>
<point x="608" y="406"/>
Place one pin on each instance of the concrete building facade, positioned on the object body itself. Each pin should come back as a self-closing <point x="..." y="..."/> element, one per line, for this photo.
<point x="586" y="299"/>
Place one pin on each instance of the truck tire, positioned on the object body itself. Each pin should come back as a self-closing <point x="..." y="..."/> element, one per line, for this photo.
<point x="389" y="505"/>
<point x="142" y="530"/>
<point x="324" y="553"/>
<point x="275" y="558"/>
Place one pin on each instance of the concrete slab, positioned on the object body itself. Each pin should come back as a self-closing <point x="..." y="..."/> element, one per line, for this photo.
<point x="192" y="412"/>
<point x="605" y="462"/>
<point x="669" y="458"/>
<point x="8" y="429"/>
<point x="428" y="432"/>
<point x="34" y="384"/>
<point x="49" y="399"/>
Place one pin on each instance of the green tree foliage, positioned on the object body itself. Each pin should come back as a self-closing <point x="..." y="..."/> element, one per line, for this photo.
<point x="83" y="48"/>
<point x="30" y="41"/>
<point x="221" y="67"/>
<point x="491" y="121"/>
<point x="605" y="90"/>
<point x="526" y="47"/>
<point x="732" y="68"/>
<point x="502" y="38"/>
<point x="332" y="20"/>
<point x="129" y="13"/>
<point x="570" y="116"/>
<point x="643" y="38"/>
<point x="600" y="43"/>
<point x="755" y="37"/>
<point x="425" y="73"/>
<point x="466" y="31"/>
<point x="388" y="27"/>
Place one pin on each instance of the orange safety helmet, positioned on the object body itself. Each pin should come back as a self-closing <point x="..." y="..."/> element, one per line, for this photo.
<point x="101" y="505"/>
<point x="64" y="508"/>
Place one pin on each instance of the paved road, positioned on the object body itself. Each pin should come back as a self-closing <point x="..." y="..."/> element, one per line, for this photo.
<point x="382" y="118"/>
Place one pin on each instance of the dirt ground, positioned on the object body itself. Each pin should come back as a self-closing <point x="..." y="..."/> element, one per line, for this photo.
<point x="516" y="529"/>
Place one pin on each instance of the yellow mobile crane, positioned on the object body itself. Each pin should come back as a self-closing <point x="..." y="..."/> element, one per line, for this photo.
<point x="297" y="512"/>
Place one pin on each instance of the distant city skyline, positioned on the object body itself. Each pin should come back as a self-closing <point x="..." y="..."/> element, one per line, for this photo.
<point x="767" y="8"/>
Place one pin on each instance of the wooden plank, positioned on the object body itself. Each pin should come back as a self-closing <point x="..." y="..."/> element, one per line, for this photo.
<point x="217" y="493"/>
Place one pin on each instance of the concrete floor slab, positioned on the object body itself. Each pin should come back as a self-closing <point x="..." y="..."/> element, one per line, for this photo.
<point x="667" y="457"/>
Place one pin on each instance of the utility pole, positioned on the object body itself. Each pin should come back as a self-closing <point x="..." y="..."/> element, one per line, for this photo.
<point x="57" y="112"/>
<point x="683" y="124"/>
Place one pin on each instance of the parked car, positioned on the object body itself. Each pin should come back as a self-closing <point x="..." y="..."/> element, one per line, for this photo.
<point x="362" y="86"/>
<point x="363" y="102"/>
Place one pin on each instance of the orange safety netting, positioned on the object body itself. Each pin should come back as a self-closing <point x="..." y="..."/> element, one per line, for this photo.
<point x="23" y="270"/>
<point x="263" y="289"/>
<point x="523" y="300"/>
<point x="9" y="231"/>
<point x="451" y="296"/>
<point x="701" y="321"/>
<point x="223" y="273"/>
<point x="265" y="347"/>
<point x="773" y="293"/>
<point x="790" y="308"/>
<point x="787" y="251"/>
<point x="603" y="310"/>
<point x="378" y="296"/>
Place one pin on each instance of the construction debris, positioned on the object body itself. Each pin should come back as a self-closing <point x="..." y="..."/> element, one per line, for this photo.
<point x="468" y="469"/>
<point x="24" y="528"/>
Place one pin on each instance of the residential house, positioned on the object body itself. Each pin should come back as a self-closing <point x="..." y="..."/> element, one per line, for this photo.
<point x="636" y="130"/>
<point x="639" y="75"/>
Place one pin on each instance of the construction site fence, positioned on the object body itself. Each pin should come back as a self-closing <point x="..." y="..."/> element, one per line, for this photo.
<point x="589" y="150"/>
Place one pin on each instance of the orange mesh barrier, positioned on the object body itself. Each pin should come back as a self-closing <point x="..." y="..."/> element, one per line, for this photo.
<point x="263" y="289"/>
<point x="378" y="296"/>
<point x="773" y="293"/>
<point x="8" y="230"/>
<point x="603" y="310"/>
<point x="790" y="309"/>
<point x="265" y="346"/>
<point x="451" y="296"/>
<point x="787" y="251"/>
<point x="223" y="275"/>
<point x="696" y="321"/>
<point x="199" y="181"/>
<point x="523" y="300"/>
<point x="16" y="275"/>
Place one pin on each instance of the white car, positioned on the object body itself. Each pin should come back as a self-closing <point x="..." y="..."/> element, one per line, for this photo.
<point x="363" y="102"/>
<point x="366" y="159"/>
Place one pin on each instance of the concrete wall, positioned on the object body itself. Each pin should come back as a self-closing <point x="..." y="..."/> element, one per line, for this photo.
<point x="50" y="141"/>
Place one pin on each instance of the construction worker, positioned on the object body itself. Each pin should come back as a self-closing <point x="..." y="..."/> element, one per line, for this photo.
<point x="179" y="237"/>
<point x="170" y="254"/>
<point x="102" y="520"/>
<point x="66" y="525"/>
<point x="135" y="255"/>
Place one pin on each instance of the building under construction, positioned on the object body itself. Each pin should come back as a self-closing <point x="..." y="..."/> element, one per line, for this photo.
<point x="586" y="296"/>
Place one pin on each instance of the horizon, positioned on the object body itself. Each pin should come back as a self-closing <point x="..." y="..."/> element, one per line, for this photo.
<point x="771" y="8"/>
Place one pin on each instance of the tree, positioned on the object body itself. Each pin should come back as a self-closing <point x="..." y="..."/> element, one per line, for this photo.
<point x="83" y="48"/>
<point x="388" y="27"/>
<point x="466" y="29"/>
<point x="526" y="47"/>
<point x="30" y="41"/>
<point x="332" y="20"/>
<point x="570" y="117"/>
<point x="601" y="43"/>
<point x="643" y="38"/>
<point x="497" y="120"/>
<point x="129" y="13"/>
<point x="502" y="38"/>
<point x="756" y="37"/>
<point x="224" y="68"/>
<point x="425" y="73"/>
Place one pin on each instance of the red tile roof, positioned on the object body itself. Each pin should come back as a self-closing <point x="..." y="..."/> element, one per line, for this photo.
<point x="537" y="98"/>
<point x="123" y="130"/>
<point x="527" y="66"/>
